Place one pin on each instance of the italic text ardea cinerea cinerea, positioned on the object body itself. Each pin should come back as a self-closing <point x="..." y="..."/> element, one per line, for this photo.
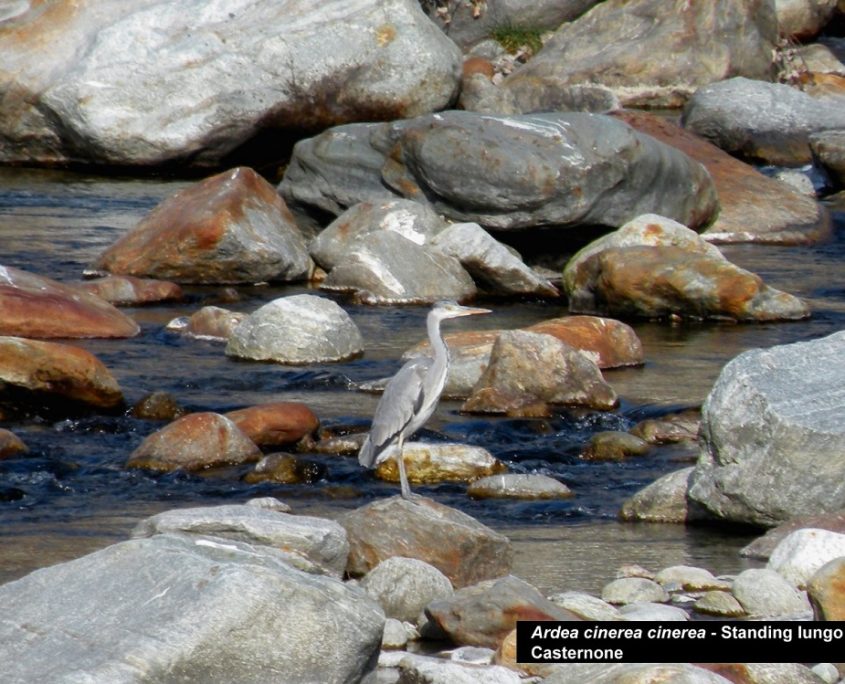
<point x="411" y="396"/>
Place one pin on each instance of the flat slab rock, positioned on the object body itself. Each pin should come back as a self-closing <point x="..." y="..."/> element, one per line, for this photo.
<point x="462" y="548"/>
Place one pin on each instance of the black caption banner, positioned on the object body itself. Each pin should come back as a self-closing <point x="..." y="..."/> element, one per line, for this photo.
<point x="679" y="642"/>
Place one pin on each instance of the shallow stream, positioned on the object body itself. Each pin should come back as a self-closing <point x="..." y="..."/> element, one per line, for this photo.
<point x="71" y="493"/>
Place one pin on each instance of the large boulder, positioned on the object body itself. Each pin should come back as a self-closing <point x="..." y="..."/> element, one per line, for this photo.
<point x="768" y="122"/>
<point x="296" y="330"/>
<point x="655" y="53"/>
<point x="200" y="80"/>
<point x="320" y="541"/>
<point x="772" y="441"/>
<point x="799" y="20"/>
<point x="56" y="373"/>
<point x="753" y="207"/>
<point x="653" y="267"/>
<point x="180" y="608"/>
<point x="503" y="172"/>
<point x="35" y="306"/>
<point x="387" y="268"/>
<point x="229" y="228"/>
<point x="456" y="544"/>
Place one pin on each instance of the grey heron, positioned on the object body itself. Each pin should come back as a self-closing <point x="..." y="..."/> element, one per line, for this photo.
<point x="411" y="395"/>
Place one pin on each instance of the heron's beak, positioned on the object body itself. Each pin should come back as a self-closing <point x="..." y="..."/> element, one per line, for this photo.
<point x="471" y="311"/>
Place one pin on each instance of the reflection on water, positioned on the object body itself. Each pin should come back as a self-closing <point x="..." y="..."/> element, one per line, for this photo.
<point x="71" y="493"/>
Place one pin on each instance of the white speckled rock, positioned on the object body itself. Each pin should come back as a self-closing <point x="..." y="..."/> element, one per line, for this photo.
<point x="297" y="330"/>
<point x="803" y="552"/>
<point x="765" y="593"/>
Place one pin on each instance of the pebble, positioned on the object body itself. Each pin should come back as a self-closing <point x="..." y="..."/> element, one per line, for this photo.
<point x="634" y="590"/>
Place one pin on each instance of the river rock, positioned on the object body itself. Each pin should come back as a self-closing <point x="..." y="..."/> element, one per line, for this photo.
<point x="633" y="673"/>
<point x="646" y="611"/>
<point x="387" y="268"/>
<point x="828" y="149"/>
<point x="663" y="501"/>
<point x="508" y="173"/>
<point x="194" y="442"/>
<point x="586" y="606"/>
<point x="35" y="306"/>
<point x="209" y="323"/>
<point x="753" y="207"/>
<point x="528" y="372"/>
<point x="485" y="613"/>
<point x="321" y="541"/>
<point x="519" y="486"/>
<point x="468" y="24"/>
<point x="803" y="552"/>
<point x="296" y="330"/>
<point x="765" y="593"/>
<point x="768" y="122"/>
<point x="412" y="220"/>
<point x="229" y="228"/>
<point x="826" y="589"/>
<point x="614" y="445"/>
<point x="799" y="20"/>
<point x="627" y="590"/>
<point x="762" y="547"/>
<point x="403" y="587"/>
<point x="661" y="53"/>
<point x="690" y="579"/>
<point x="495" y="268"/>
<point x="771" y="437"/>
<point x="198" y="83"/>
<point x="607" y="342"/>
<point x="431" y="463"/>
<point x="721" y="604"/>
<point x="158" y="405"/>
<point x="670" y="429"/>
<point x="131" y="291"/>
<point x="655" y="267"/>
<point x="456" y="544"/>
<point x="275" y="423"/>
<point x="422" y="669"/>
<point x="11" y="444"/>
<point x="284" y="468"/>
<point x="187" y="608"/>
<point x="61" y="374"/>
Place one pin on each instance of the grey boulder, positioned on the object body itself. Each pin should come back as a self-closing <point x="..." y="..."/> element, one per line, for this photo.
<point x="503" y="172"/>
<point x="772" y="435"/>
<point x="176" y="608"/>
<point x="145" y="82"/>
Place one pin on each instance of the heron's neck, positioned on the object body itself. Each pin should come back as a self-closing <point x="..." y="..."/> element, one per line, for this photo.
<point x="441" y="351"/>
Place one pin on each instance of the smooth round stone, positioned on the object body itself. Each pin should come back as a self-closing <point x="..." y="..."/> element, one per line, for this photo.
<point x="653" y="612"/>
<point x="519" y="486"/>
<point x="586" y="606"/>
<point x="690" y="578"/>
<point x="765" y="593"/>
<point x="634" y="590"/>
<point x="720" y="603"/>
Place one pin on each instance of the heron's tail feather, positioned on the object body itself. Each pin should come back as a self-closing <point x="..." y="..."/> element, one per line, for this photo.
<point x="367" y="455"/>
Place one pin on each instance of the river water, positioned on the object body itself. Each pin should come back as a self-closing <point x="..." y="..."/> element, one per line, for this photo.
<point x="71" y="493"/>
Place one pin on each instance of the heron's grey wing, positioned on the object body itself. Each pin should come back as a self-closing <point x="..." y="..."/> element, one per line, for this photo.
<point x="400" y="402"/>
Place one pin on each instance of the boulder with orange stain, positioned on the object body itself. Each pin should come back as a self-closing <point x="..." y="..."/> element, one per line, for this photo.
<point x="57" y="372"/>
<point x="276" y="423"/>
<point x="195" y="442"/>
<point x="35" y="306"/>
<point x="826" y="589"/>
<point x="229" y="228"/>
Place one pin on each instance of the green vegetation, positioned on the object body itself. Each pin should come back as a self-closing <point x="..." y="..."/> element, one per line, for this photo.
<point x="513" y="38"/>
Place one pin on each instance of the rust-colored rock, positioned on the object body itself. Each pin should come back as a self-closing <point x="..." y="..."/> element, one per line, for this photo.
<point x="484" y="614"/>
<point x="277" y="423"/>
<point x="827" y="591"/>
<point x="158" y="406"/>
<point x="478" y="65"/>
<point x="609" y="343"/>
<point x="132" y="291"/>
<point x="754" y="207"/>
<point x="456" y="544"/>
<point x="195" y="442"/>
<point x="11" y="444"/>
<point x="57" y="371"/>
<point x="209" y="323"/>
<point x="229" y="228"/>
<point x="431" y="463"/>
<point x="35" y="306"/>
<point x="285" y="469"/>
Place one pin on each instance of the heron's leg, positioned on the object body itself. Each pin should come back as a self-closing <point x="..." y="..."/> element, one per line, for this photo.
<point x="403" y="477"/>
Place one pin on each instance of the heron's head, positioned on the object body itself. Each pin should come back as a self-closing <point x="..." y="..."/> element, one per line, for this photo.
<point x="450" y="309"/>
